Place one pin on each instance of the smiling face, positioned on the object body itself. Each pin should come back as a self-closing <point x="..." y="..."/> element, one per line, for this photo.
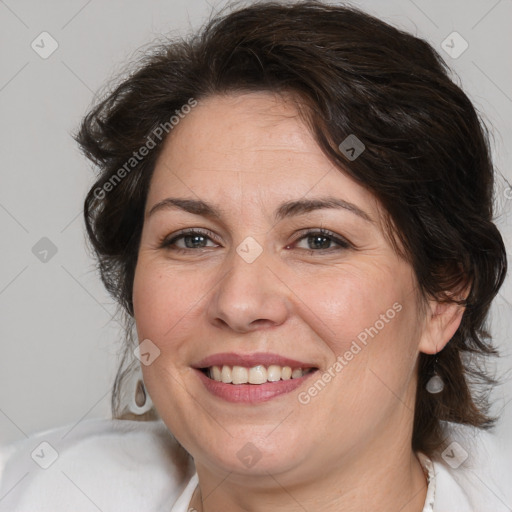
<point x="232" y="262"/>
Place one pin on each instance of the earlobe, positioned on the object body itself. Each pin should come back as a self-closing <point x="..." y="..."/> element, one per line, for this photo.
<point x="442" y="319"/>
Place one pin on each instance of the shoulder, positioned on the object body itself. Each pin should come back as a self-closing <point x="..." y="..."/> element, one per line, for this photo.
<point x="108" y="464"/>
<point x="473" y="472"/>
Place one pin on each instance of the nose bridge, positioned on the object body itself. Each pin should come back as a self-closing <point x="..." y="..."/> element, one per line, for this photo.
<point x="249" y="294"/>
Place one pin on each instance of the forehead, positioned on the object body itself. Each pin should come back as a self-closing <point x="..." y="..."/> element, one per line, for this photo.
<point x="248" y="147"/>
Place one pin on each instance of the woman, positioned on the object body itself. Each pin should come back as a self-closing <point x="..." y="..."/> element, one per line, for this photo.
<point x="294" y="209"/>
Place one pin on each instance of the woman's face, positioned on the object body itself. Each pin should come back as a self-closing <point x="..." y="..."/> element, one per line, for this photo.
<point x="256" y="284"/>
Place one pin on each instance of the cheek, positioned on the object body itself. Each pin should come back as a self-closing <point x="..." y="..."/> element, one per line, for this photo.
<point x="355" y="303"/>
<point x="162" y="299"/>
<point x="367" y="317"/>
<point x="164" y="304"/>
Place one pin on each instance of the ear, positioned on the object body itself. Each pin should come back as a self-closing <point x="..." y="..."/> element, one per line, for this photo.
<point x="441" y="322"/>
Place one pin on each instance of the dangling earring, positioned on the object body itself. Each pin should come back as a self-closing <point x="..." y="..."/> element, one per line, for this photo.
<point x="140" y="394"/>
<point x="435" y="384"/>
<point x="140" y="406"/>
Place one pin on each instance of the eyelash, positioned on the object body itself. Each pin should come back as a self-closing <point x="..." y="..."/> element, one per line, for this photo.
<point x="167" y="243"/>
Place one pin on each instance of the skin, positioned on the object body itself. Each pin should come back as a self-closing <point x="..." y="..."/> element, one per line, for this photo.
<point x="246" y="154"/>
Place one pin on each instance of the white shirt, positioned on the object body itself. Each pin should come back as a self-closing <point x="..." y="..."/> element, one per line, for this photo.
<point x="122" y="465"/>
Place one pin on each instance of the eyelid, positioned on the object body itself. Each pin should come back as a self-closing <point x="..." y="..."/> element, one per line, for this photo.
<point x="338" y="239"/>
<point x="168" y="240"/>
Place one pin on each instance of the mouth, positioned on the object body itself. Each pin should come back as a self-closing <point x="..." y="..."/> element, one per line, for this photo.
<point x="252" y="378"/>
<point x="255" y="375"/>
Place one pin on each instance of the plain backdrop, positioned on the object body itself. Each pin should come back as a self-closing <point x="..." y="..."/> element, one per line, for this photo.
<point x="59" y="342"/>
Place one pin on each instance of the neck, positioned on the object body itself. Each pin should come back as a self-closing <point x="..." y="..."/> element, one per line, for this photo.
<point x="386" y="482"/>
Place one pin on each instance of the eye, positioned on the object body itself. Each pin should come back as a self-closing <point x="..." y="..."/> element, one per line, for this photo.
<point x="188" y="240"/>
<point x="317" y="240"/>
<point x="321" y="240"/>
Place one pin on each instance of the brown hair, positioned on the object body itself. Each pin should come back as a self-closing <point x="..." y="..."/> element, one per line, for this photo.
<point x="427" y="160"/>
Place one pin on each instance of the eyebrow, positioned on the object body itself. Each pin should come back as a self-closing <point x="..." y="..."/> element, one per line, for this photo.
<point x="287" y="209"/>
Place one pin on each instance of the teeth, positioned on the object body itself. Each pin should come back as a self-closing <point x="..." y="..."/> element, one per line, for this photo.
<point x="239" y="375"/>
<point x="216" y="373"/>
<point x="225" y="375"/>
<point x="255" y="375"/>
<point x="297" y="373"/>
<point x="274" y="373"/>
<point x="286" y="373"/>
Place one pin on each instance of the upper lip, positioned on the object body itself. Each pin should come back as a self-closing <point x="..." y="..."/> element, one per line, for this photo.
<point x="250" y="360"/>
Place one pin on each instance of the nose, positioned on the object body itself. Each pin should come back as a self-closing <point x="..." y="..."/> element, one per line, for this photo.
<point x="249" y="296"/>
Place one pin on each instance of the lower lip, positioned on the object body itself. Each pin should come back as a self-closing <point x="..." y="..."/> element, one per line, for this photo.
<point x="251" y="393"/>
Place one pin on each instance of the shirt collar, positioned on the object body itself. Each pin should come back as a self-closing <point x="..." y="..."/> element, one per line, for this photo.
<point x="428" y="468"/>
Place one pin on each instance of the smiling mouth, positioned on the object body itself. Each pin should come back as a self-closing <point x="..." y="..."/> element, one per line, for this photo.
<point x="258" y="374"/>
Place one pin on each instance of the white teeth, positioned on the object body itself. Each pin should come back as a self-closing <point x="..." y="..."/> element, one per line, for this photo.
<point x="216" y="373"/>
<point x="240" y="375"/>
<point x="226" y="375"/>
<point x="274" y="373"/>
<point x="286" y="373"/>
<point x="255" y="375"/>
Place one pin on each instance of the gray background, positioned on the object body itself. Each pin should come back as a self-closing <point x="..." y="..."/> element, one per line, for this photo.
<point x="59" y="342"/>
